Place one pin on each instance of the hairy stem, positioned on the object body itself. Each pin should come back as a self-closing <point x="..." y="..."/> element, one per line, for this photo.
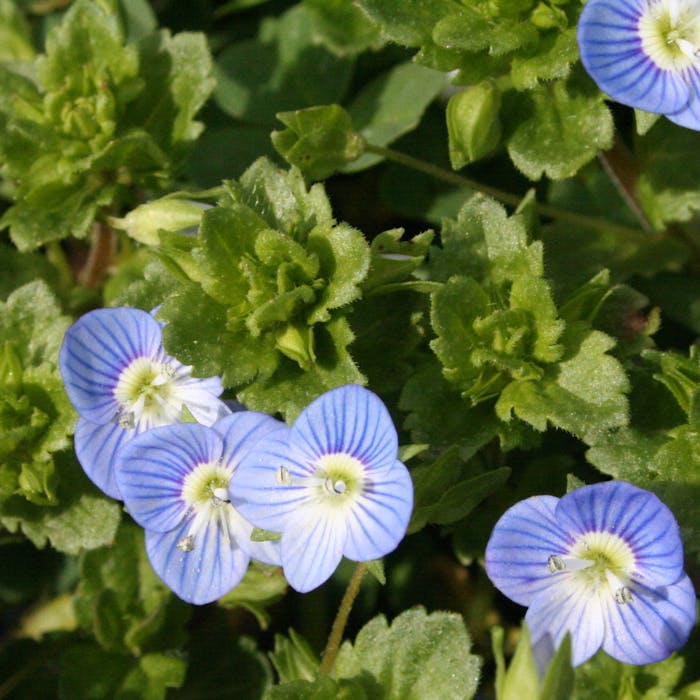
<point x="448" y="176"/>
<point x="341" y="619"/>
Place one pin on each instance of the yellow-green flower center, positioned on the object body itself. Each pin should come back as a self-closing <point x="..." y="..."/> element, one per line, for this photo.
<point x="146" y="390"/>
<point x="337" y="478"/>
<point x="670" y="33"/>
<point x="602" y="561"/>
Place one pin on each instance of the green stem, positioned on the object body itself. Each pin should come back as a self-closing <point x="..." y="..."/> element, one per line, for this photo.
<point x="341" y="619"/>
<point x="508" y="198"/>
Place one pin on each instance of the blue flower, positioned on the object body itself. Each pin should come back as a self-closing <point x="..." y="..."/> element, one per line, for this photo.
<point x="174" y="481"/>
<point x="605" y="563"/>
<point x="646" y="54"/>
<point x="331" y="484"/>
<point x="121" y="381"/>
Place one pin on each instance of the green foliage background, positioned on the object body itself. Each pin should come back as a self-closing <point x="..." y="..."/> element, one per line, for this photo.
<point x="427" y="197"/>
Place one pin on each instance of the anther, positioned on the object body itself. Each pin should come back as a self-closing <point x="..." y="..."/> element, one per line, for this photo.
<point x="335" y="486"/>
<point x="282" y="476"/>
<point x="186" y="544"/>
<point x="125" y="420"/>
<point x="555" y="563"/>
<point x="219" y="497"/>
<point x="623" y="595"/>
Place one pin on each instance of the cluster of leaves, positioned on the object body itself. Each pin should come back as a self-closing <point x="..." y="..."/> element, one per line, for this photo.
<point x="517" y="352"/>
<point x="94" y="117"/>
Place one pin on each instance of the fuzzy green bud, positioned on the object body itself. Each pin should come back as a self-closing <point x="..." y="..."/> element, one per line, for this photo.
<point x="473" y="126"/>
<point x="168" y="214"/>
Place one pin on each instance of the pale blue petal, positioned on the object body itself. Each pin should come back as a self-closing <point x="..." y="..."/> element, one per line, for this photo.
<point x="377" y="521"/>
<point x="635" y="515"/>
<point x="312" y="547"/>
<point x="653" y="625"/>
<point x="690" y="115"/>
<point x="255" y="490"/>
<point x="241" y="432"/>
<point x="521" y="543"/>
<point x="200" y="397"/>
<point x="611" y="51"/>
<point x="211" y="569"/>
<point x="96" y="447"/>
<point x="152" y="467"/>
<point x="568" y="606"/>
<point x="351" y="420"/>
<point x="96" y="349"/>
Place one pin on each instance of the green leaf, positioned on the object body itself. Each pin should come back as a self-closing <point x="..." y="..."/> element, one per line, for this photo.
<point x="553" y="60"/>
<point x="83" y="519"/>
<point x="36" y="418"/>
<point x="272" y="276"/>
<point x="667" y="192"/>
<point x="604" y="677"/>
<point x="585" y="394"/>
<point x="323" y="688"/>
<point x="342" y="27"/>
<point x="15" y="34"/>
<point x="558" y="683"/>
<point x="318" y="140"/>
<point x="473" y="126"/>
<point x="283" y="69"/>
<point x="260" y="588"/>
<point x="392" y="105"/>
<point x="123" y="602"/>
<point x="293" y="658"/>
<point x="417" y="656"/>
<point x="88" y="672"/>
<point x="521" y="679"/>
<point x="444" y="491"/>
<point x="376" y="568"/>
<point x="564" y="130"/>
<point x="177" y="76"/>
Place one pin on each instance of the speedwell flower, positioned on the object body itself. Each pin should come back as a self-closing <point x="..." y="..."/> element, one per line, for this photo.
<point x="121" y="381"/>
<point x="646" y="54"/>
<point x="174" y="481"/>
<point x="331" y="484"/>
<point x="605" y="563"/>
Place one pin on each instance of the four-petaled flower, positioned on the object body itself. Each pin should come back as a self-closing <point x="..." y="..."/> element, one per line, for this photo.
<point x="175" y="483"/>
<point x="121" y="381"/>
<point x="605" y="563"/>
<point x="646" y="54"/>
<point x="331" y="484"/>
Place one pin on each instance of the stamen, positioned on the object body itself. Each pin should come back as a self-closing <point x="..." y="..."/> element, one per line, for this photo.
<point x="283" y="477"/>
<point x="186" y="544"/>
<point x="555" y="563"/>
<point x="623" y="595"/>
<point x="125" y="420"/>
<point x="219" y="497"/>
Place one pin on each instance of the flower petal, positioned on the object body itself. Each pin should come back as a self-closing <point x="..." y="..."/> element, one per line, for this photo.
<point x="152" y="467"/>
<point x="212" y="568"/>
<point x="378" y="519"/>
<point x="612" y="53"/>
<point x="568" y="606"/>
<point x="350" y="420"/>
<point x="689" y="116"/>
<point x="96" y="447"/>
<point x="653" y="625"/>
<point x="312" y="546"/>
<point x="241" y="432"/>
<point x="255" y="490"/>
<point x="95" y="350"/>
<point x="633" y="514"/>
<point x="521" y="543"/>
<point x="200" y="397"/>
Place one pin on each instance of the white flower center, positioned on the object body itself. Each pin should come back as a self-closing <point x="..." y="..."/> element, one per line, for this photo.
<point x="670" y="33"/>
<point x="337" y="479"/>
<point x="205" y="492"/>
<point x="148" y="395"/>
<point x="602" y="561"/>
